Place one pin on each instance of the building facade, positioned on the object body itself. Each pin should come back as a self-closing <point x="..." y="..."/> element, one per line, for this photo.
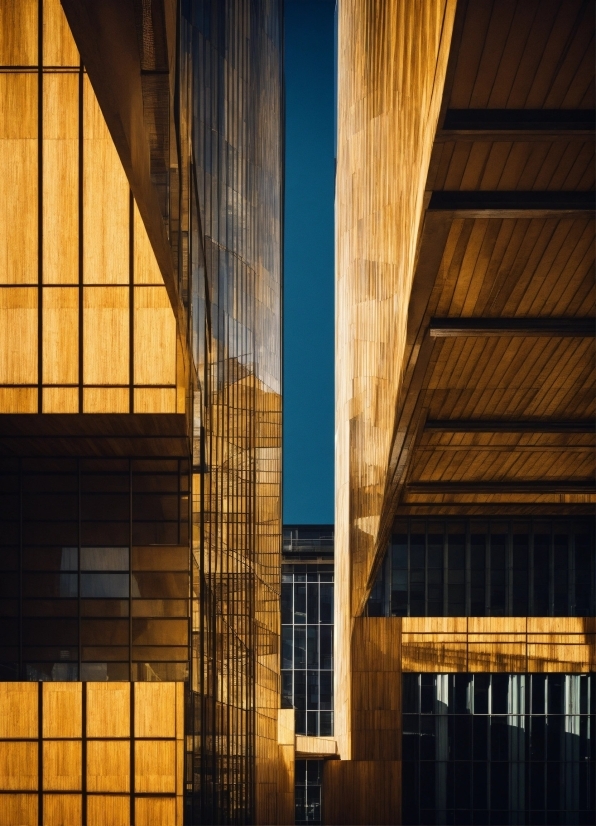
<point x="464" y="531"/>
<point x="140" y="411"/>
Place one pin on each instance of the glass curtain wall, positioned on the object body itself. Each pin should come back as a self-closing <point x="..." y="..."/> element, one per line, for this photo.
<point x="494" y="568"/>
<point x="94" y="571"/>
<point x="227" y="225"/>
<point x="307" y="646"/>
<point x="498" y="748"/>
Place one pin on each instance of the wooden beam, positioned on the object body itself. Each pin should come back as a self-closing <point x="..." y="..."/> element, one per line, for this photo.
<point x="496" y="120"/>
<point x="482" y="326"/>
<point x="511" y="426"/>
<point x="517" y="202"/>
<point x="511" y="486"/>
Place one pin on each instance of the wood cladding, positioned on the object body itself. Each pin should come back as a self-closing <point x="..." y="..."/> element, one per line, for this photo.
<point x="69" y="304"/>
<point x="362" y="792"/>
<point x="65" y="732"/>
<point x="392" y="63"/>
<point x="511" y="644"/>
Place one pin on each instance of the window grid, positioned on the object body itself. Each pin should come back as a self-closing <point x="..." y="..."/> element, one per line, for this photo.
<point x="500" y="748"/>
<point x="307" y="646"/>
<point x="309" y="780"/>
<point x="487" y="568"/>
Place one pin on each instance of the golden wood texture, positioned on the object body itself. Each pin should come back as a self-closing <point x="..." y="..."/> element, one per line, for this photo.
<point x="492" y="644"/>
<point x="60" y="178"/>
<point x="108" y="810"/>
<point x="108" y="766"/>
<point x="376" y="689"/>
<point x="19" y="808"/>
<point x="159" y="762"/>
<point x="18" y="335"/>
<point x="60" y="335"/>
<point x="155" y="337"/>
<point x="392" y="63"/>
<point x="106" y="202"/>
<point x="62" y="765"/>
<point x="18" y="766"/>
<point x="62" y="710"/>
<point x="18" y="178"/>
<point x="18" y="710"/>
<point x="108" y="709"/>
<point x="18" y="32"/>
<point x="62" y="809"/>
<point x="361" y="792"/>
<point x="59" y="48"/>
<point x="105" y="335"/>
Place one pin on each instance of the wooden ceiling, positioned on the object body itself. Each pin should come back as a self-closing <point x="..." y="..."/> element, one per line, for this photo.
<point x="498" y="402"/>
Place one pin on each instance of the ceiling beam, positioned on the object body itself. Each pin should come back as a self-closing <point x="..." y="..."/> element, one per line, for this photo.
<point x="481" y="326"/>
<point x="509" y="120"/>
<point x="511" y="425"/>
<point x="512" y="486"/>
<point x="524" y="202"/>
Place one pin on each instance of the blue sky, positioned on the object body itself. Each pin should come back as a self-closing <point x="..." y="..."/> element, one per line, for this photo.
<point x="308" y="262"/>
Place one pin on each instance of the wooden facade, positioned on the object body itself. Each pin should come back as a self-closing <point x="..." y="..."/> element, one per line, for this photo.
<point x="465" y="367"/>
<point x="96" y="753"/>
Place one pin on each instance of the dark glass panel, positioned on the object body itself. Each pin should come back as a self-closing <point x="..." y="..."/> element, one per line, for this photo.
<point x="103" y="586"/>
<point x="286" y="689"/>
<point x="410" y="694"/>
<point x="312" y="604"/>
<point x="499" y="691"/>
<point x="326" y="646"/>
<point x="287" y="646"/>
<point x="481" y="688"/>
<point x="520" y="574"/>
<point x="312" y="690"/>
<point x="299" y="647"/>
<point x="561" y="575"/>
<point x="326" y="690"/>
<point x="287" y="589"/>
<point x="498" y="574"/>
<point x="312" y="647"/>
<point x="542" y="547"/>
<point x="300" y="690"/>
<point x="300" y="603"/>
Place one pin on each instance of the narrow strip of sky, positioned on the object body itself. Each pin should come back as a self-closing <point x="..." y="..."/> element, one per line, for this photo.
<point x="309" y="261"/>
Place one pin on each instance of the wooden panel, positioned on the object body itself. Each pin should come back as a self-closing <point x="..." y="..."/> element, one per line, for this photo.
<point x="62" y="809"/>
<point x="155" y="764"/>
<point x="59" y="48"/>
<point x="105" y="400"/>
<point x="18" y="766"/>
<point x="105" y="335"/>
<point x="60" y="335"/>
<point x="18" y="32"/>
<point x="18" y="808"/>
<point x="60" y="400"/>
<point x="497" y="644"/>
<point x="108" y="709"/>
<point x="18" y="179"/>
<point x="62" y="710"/>
<point x="376" y="688"/>
<point x="112" y="810"/>
<point x="154" y="400"/>
<point x="155" y="709"/>
<point x="60" y="178"/>
<point x="62" y="761"/>
<point x="18" y="710"/>
<point x="18" y="399"/>
<point x="361" y="792"/>
<point x="390" y="58"/>
<point x="18" y="335"/>
<point x="146" y="268"/>
<point x="108" y="766"/>
<point x="106" y="201"/>
<point x="152" y="810"/>
<point x="155" y="337"/>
